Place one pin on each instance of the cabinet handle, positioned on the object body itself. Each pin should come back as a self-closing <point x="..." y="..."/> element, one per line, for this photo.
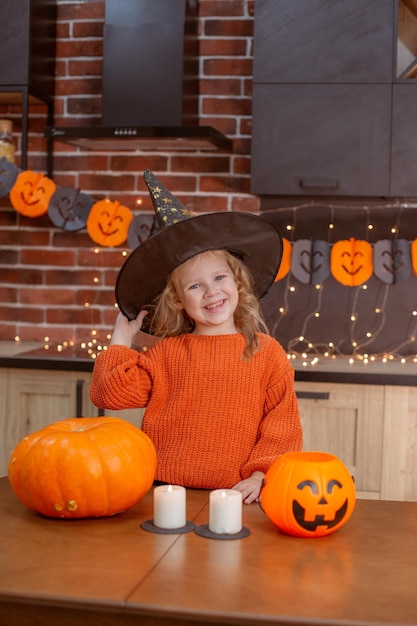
<point x="313" y="395"/>
<point x="329" y="183"/>
<point x="79" y="398"/>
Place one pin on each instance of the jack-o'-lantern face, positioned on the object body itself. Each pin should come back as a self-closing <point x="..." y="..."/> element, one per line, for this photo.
<point x="108" y="223"/>
<point x="351" y="261"/>
<point x="392" y="260"/>
<point x="8" y="175"/>
<point x="31" y="193"/>
<point x="69" y="209"/>
<point x="308" y="494"/>
<point x="285" y="265"/>
<point x="310" y="261"/>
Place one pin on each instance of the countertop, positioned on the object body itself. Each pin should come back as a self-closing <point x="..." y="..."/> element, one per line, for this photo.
<point x="111" y="572"/>
<point x="34" y="355"/>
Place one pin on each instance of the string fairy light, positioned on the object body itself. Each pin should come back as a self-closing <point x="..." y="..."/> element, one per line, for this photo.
<point x="366" y="322"/>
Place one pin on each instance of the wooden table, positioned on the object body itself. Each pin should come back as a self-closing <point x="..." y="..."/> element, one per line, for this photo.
<point x="109" y="571"/>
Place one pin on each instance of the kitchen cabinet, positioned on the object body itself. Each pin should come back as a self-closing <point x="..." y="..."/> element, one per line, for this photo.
<point x="371" y="428"/>
<point x="334" y="92"/>
<point x="27" y="75"/>
<point x="31" y="399"/>
<point x="348" y="421"/>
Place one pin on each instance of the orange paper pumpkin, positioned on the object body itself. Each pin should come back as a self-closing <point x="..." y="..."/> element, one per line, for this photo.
<point x="414" y="255"/>
<point x="108" y="223"/>
<point x="31" y="193"/>
<point x="351" y="261"/>
<point x="284" y="268"/>
<point x="308" y="494"/>
<point x="83" y="467"/>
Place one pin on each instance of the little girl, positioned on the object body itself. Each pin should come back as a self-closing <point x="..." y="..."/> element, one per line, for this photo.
<point x="218" y="390"/>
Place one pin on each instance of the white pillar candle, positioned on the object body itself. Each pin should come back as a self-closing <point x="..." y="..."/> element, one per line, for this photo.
<point x="169" y="506"/>
<point x="225" y="514"/>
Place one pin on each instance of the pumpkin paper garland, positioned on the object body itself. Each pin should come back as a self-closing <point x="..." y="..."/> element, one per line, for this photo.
<point x="285" y="265"/>
<point x="31" y="193"/>
<point x="392" y="260"/>
<point x="69" y="208"/>
<point x="310" y="261"/>
<point x="108" y="223"/>
<point x="308" y="494"/>
<point x="351" y="261"/>
<point x="8" y="175"/>
<point x="83" y="467"/>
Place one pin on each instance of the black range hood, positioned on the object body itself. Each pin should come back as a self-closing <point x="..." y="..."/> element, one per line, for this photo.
<point x="140" y="137"/>
<point x="144" y="82"/>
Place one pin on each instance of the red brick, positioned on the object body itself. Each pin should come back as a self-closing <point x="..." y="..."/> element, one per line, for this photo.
<point x="79" y="48"/>
<point x="220" y="164"/>
<point x="8" y="257"/>
<point x="88" y="85"/>
<point x="241" y="166"/>
<point x="52" y="296"/>
<point x="21" y="276"/>
<point x="83" y="106"/>
<point x="36" y="257"/>
<point x="226" y="184"/>
<point x="22" y="314"/>
<point x="249" y="204"/>
<point x="227" y="67"/>
<point x="87" y="29"/>
<point x="85" y="68"/>
<point x="221" y="86"/>
<point x="228" y="28"/>
<point x="107" y="182"/>
<point x="8" y="295"/>
<point x="101" y="259"/>
<point x="71" y="277"/>
<point x="86" y="315"/>
<point x="223" y="47"/>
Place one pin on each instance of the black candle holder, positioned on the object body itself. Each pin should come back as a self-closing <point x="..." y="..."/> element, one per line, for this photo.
<point x="150" y="527"/>
<point x="204" y="531"/>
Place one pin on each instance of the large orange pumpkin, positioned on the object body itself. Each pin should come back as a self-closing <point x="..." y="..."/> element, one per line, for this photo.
<point x="83" y="467"/>
<point x="308" y="494"/>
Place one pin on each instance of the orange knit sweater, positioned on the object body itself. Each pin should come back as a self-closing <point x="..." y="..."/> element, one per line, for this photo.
<point x="214" y="418"/>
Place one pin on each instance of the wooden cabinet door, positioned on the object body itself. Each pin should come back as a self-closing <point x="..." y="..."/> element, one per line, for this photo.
<point x="399" y="472"/>
<point x="33" y="399"/>
<point x="346" y="420"/>
<point x="321" y="139"/>
<point x="322" y="41"/>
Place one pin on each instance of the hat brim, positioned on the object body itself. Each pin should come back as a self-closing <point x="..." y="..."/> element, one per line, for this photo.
<point x="143" y="275"/>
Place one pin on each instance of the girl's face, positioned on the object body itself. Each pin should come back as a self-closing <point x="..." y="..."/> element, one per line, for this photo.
<point x="207" y="291"/>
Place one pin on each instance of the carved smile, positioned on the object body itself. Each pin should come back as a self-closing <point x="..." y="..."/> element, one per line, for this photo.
<point x="299" y="515"/>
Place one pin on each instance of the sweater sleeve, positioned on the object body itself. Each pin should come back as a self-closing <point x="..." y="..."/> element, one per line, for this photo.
<point x="121" y="379"/>
<point x="280" y="430"/>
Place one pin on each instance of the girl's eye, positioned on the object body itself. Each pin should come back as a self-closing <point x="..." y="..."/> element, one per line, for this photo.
<point x="220" y="277"/>
<point x="195" y="286"/>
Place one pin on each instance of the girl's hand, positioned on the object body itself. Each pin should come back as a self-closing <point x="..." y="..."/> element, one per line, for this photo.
<point x="250" y="487"/>
<point x="125" y="330"/>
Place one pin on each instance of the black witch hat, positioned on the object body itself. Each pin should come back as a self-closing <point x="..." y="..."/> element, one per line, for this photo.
<point x="182" y="235"/>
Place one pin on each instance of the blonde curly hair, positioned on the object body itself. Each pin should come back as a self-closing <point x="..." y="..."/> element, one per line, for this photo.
<point x="168" y="321"/>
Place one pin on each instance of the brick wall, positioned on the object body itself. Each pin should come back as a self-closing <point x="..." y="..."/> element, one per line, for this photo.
<point x="60" y="285"/>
